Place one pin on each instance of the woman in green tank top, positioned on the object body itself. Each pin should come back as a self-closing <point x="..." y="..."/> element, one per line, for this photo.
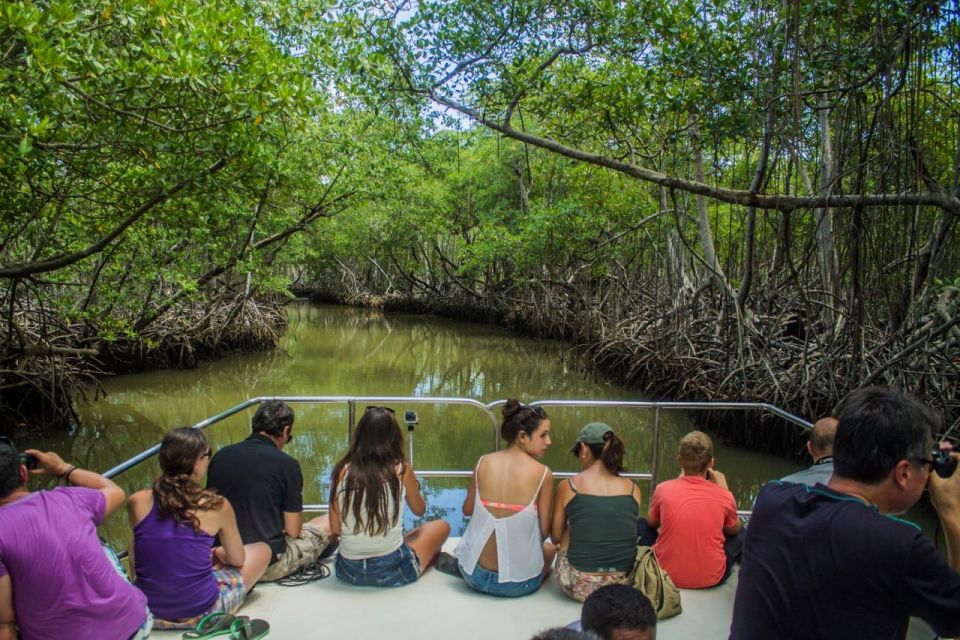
<point x="595" y="516"/>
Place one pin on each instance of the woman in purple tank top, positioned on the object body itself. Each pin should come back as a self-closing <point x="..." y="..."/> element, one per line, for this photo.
<point x="174" y="526"/>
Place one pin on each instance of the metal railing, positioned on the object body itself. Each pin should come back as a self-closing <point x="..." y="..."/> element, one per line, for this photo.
<point x="487" y="409"/>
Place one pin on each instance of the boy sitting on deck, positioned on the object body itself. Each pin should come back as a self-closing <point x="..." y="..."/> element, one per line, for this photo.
<point x="699" y="535"/>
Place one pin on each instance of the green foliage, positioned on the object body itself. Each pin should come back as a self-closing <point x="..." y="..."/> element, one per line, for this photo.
<point x="199" y="122"/>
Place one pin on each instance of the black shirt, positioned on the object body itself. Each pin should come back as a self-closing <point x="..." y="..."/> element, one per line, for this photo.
<point x="819" y="564"/>
<point x="261" y="482"/>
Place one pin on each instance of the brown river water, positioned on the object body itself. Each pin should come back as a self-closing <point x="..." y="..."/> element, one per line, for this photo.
<point x="336" y="351"/>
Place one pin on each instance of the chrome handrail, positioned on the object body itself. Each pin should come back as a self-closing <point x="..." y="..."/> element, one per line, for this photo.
<point x="351" y="402"/>
<point x="487" y="408"/>
<point x="657" y="405"/>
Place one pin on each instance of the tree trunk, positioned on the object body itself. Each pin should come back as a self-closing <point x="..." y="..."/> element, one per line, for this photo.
<point x="716" y="276"/>
<point x="826" y="244"/>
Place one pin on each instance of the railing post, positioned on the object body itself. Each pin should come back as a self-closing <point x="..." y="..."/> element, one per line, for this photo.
<point x="654" y="463"/>
<point x="351" y="418"/>
<point x="410" y="442"/>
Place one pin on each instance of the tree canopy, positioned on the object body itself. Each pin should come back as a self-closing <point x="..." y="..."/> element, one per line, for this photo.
<point x="713" y="198"/>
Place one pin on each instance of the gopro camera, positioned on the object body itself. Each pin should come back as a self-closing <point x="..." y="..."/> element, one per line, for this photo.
<point x="410" y="417"/>
<point x="29" y="461"/>
<point x="943" y="464"/>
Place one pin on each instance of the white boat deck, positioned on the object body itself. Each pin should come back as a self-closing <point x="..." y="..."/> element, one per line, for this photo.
<point x="441" y="606"/>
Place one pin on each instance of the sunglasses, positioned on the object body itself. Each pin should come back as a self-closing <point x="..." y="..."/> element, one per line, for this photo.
<point x="537" y="411"/>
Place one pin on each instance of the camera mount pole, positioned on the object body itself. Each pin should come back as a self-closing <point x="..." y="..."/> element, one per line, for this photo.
<point x="410" y="427"/>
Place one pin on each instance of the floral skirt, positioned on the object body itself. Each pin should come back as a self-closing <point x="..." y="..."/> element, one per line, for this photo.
<point x="580" y="584"/>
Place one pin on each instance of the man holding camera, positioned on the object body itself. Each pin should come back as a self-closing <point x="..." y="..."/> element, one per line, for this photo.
<point x="265" y="487"/>
<point x="56" y="581"/>
<point x="832" y="561"/>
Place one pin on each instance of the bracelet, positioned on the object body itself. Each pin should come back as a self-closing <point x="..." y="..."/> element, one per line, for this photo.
<point x="65" y="476"/>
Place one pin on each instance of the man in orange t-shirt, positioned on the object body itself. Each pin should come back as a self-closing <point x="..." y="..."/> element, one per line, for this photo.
<point x="692" y="523"/>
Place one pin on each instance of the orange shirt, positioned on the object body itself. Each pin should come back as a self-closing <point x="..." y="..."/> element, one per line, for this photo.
<point x="693" y="512"/>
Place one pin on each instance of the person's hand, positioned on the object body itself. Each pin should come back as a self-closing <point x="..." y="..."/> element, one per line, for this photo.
<point x="945" y="492"/>
<point x="717" y="477"/>
<point x="218" y="558"/>
<point x="48" y="464"/>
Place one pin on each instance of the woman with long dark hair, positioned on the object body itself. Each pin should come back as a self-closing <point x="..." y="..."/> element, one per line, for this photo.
<point x="174" y="526"/>
<point x="502" y="552"/>
<point x="595" y="516"/>
<point x="367" y="490"/>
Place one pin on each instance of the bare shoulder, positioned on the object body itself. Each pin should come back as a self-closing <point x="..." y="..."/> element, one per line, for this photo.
<point x="548" y="473"/>
<point x="488" y="461"/>
<point x="139" y="505"/>
<point x="563" y="489"/>
<point x="138" y="497"/>
<point x="221" y="514"/>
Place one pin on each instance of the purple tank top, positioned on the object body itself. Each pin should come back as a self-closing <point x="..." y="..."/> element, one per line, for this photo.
<point x="174" y="567"/>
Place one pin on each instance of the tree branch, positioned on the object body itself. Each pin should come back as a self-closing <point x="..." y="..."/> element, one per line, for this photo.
<point x="52" y="264"/>
<point x="776" y="202"/>
<point x="553" y="57"/>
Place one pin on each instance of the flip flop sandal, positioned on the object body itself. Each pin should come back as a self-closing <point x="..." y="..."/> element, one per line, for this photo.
<point x="244" y="628"/>
<point x="211" y="625"/>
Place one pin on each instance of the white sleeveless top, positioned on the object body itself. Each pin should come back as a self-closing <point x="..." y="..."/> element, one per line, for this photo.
<point x="519" y="545"/>
<point x="355" y="543"/>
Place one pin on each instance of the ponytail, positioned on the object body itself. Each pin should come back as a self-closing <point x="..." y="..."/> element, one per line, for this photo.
<point x="610" y="452"/>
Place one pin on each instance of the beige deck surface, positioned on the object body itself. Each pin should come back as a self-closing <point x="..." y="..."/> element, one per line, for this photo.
<point x="440" y="606"/>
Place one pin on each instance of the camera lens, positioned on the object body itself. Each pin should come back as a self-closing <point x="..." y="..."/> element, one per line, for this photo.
<point x="943" y="463"/>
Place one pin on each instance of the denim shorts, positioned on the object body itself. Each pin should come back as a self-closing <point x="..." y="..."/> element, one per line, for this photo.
<point x="488" y="582"/>
<point x="392" y="570"/>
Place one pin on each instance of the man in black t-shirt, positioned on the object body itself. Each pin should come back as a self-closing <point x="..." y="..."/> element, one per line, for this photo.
<point x="265" y="487"/>
<point x="831" y="561"/>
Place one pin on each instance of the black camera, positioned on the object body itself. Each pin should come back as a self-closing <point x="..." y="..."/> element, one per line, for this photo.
<point x="943" y="464"/>
<point x="29" y="461"/>
<point x="410" y="418"/>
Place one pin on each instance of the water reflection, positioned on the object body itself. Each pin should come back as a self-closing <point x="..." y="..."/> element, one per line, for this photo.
<point x="338" y="351"/>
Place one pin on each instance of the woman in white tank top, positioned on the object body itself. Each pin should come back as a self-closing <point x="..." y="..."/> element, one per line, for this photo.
<point x="502" y="551"/>
<point x="367" y="489"/>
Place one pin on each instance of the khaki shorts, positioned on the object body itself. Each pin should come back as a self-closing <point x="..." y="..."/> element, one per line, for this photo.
<point x="299" y="553"/>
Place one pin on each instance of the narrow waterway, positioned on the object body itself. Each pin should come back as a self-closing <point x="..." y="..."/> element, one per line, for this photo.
<point x="342" y="351"/>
